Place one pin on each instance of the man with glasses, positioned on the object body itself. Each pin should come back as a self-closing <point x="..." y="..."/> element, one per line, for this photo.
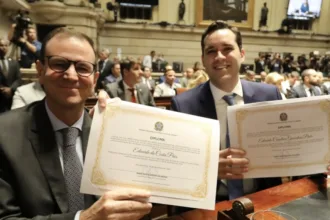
<point x="43" y="145"/>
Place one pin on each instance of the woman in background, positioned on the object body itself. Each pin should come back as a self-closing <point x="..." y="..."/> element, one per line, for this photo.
<point x="275" y="79"/>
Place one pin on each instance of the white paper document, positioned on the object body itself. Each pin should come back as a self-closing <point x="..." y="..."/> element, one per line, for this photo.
<point x="283" y="138"/>
<point x="172" y="155"/>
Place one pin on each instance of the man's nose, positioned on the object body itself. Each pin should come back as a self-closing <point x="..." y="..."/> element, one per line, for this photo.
<point x="71" y="72"/>
<point x="220" y="55"/>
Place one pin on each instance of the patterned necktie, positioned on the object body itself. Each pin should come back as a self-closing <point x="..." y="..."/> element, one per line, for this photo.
<point x="133" y="99"/>
<point x="72" y="169"/>
<point x="235" y="187"/>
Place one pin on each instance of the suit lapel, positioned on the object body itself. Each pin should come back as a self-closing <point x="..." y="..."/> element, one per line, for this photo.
<point x="121" y="90"/>
<point x="207" y="106"/>
<point x="248" y="92"/>
<point x="85" y="132"/>
<point x="44" y="143"/>
<point x="139" y="94"/>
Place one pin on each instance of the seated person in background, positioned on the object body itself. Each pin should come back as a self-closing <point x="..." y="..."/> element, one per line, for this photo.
<point x="130" y="88"/>
<point x="250" y="76"/>
<point x="27" y="94"/>
<point x="199" y="77"/>
<point x="10" y="77"/>
<point x="263" y="76"/>
<point x="323" y="88"/>
<point x="187" y="78"/>
<point x="308" y="86"/>
<point x="198" y="66"/>
<point x="147" y="79"/>
<point x="30" y="46"/>
<point x="114" y="74"/>
<point x="275" y="79"/>
<point x="162" y="78"/>
<point x="168" y="87"/>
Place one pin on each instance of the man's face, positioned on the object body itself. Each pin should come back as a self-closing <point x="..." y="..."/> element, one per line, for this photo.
<point x="102" y="56"/>
<point x="319" y="78"/>
<point x="67" y="89"/>
<point x="31" y="34"/>
<point x="116" y="70"/>
<point x="222" y="57"/>
<point x="3" y="48"/>
<point x="189" y="73"/>
<point x="147" y="72"/>
<point x="134" y="74"/>
<point x="312" y="78"/>
<point x="170" y="77"/>
<point x="263" y="76"/>
<point x="292" y="80"/>
<point x="153" y="53"/>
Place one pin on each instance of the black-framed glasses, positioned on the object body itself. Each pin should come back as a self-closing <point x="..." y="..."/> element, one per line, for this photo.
<point x="61" y="64"/>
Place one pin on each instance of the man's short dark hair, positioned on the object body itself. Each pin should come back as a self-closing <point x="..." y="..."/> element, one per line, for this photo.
<point x="64" y="32"/>
<point x="219" y="25"/>
<point x="127" y="64"/>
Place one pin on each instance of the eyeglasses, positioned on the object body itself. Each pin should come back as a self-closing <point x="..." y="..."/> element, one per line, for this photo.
<point x="60" y="65"/>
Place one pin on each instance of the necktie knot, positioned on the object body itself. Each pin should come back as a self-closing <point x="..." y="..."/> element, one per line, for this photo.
<point x="70" y="135"/>
<point x="229" y="99"/>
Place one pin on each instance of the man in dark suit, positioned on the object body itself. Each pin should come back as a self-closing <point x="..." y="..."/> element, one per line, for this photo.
<point x="147" y="79"/>
<point x="43" y="145"/>
<point x="222" y="55"/>
<point x="10" y="77"/>
<point x="130" y="87"/>
<point x="104" y="65"/>
<point x="308" y="87"/>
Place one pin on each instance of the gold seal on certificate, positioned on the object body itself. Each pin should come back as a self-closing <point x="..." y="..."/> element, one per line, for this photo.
<point x="283" y="138"/>
<point x="170" y="154"/>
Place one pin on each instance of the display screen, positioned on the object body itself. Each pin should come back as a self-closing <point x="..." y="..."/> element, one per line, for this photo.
<point x="304" y="9"/>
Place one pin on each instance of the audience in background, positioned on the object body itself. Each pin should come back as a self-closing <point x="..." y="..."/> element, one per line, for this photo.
<point x="250" y="76"/>
<point x="29" y="45"/>
<point x="147" y="79"/>
<point x="113" y="76"/>
<point x="130" y="88"/>
<point x="323" y="88"/>
<point x="198" y="78"/>
<point x="308" y="86"/>
<point x="10" y="77"/>
<point x="198" y="66"/>
<point x="149" y="59"/>
<point x="260" y="63"/>
<point x="276" y="79"/>
<point x="103" y="66"/>
<point x="276" y="63"/>
<point x="263" y="75"/>
<point x="27" y="94"/>
<point x="187" y="78"/>
<point x="168" y="87"/>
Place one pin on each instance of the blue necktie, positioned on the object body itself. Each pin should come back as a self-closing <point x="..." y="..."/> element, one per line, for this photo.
<point x="235" y="187"/>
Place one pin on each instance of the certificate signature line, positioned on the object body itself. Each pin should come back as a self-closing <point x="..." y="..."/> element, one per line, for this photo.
<point x="123" y="170"/>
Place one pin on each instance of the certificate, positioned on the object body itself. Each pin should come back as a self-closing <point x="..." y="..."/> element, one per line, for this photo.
<point x="283" y="138"/>
<point x="172" y="155"/>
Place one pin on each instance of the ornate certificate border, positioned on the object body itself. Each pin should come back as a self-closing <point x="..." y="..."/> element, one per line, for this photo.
<point x="241" y="115"/>
<point x="98" y="177"/>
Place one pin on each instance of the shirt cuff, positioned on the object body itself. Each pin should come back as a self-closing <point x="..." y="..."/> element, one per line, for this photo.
<point x="77" y="216"/>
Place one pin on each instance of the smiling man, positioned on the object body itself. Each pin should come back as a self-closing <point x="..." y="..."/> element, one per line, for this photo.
<point x="43" y="145"/>
<point x="222" y="56"/>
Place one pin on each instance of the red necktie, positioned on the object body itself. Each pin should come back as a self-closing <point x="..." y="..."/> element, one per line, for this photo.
<point x="133" y="99"/>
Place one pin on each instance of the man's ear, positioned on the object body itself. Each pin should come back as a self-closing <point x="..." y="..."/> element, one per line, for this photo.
<point x="96" y="76"/>
<point x="242" y="55"/>
<point x="40" y="71"/>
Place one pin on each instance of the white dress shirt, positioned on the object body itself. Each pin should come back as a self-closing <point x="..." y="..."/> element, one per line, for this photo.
<point x="308" y="92"/>
<point x="165" y="89"/>
<point x="221" y="110"/>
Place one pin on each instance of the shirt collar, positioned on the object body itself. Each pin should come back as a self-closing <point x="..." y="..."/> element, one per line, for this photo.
<point x="58" y="124"/>
<point x="218" y="94"/>
<point x="305" y="87"/>
<point x="126" y="87"/>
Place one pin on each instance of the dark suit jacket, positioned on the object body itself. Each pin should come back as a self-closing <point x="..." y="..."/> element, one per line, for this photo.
<point x="13" y="80"/>
<point x="31" y="177"/>
<point x="116" y="89"/>
<point x="299" y="91"/>
<point x="104" y="72"/>
<point x="199" y="101"/>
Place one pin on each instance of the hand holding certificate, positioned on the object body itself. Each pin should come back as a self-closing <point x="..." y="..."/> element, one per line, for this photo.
<point x="172" y="155"/>
<point x="283" y="138"/>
